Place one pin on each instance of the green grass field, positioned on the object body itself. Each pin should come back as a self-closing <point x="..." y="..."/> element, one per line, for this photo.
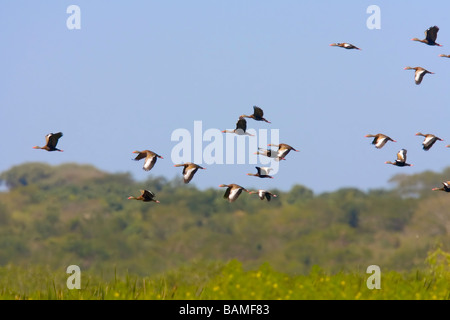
<point x="229" y="281"/>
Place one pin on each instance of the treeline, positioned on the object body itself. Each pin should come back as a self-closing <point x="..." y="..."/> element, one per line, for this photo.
<point x="57" y="216"/>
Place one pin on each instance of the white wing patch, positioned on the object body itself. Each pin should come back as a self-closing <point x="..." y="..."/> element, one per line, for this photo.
<point x="148" y="163"/>
<point x="233" y="194"/>
<point x="380" y="142"/>
<point x="427" y="140"/>
<point x="188" y="173"/>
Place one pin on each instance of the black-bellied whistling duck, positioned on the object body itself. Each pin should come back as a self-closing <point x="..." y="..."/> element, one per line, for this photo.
<point x="146" y="196"/>
<point x="189" y="169"/>
<point x="401" y="159"/>
<point x="257" y="115"/>
<point x="51" y="142"/>
<point x="233" y="191"/>
<point x="445" y="187"/>
<point x="419" y="74"/>
<point x="430" y="37"/>
<point x="283" y="150"/>
<point x="379" y="139"/>
<point x="241" y="128"/>
<point x="444" y="55"/>
<point x="263" y="172"/>
<point x="344" y="45"/>
<point x="150" y="158"/>
<point x="429" y="140"/>
<point x="263" y="194"/>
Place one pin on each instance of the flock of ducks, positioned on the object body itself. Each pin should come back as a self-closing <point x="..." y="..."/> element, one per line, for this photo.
<point x="189" y="169"/>
<point x="379" y="140"/>
<point x="430" y="39"/>
<point x="233" y="190"/>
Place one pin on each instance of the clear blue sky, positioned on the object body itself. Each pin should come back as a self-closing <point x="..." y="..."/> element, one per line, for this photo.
<point x="138" y="70"/>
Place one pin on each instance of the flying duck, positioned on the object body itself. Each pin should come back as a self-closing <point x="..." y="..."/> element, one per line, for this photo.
<point x="444" y="55"/>
<point x="430" y="37"/>
<point x="150" y="158"/>
<point x="51" y="142"/>
<point x="445" y="187"/>
<point x="189" y="169"/>
<point x="429" y="140"/>
<point x="344" y="45"/>
<point x="263" y="194"/>
<point x="233" y="191"/>
<point x="263" y="172"/>
<point x="146" y="196"/>
<point x="257" y="115"/>
<point x="401" y="159"/>
<point x="419" y="74"/>
<point x="379" y="139"/>
<point x="283" y="150"/>
<point x="241" y="128"/>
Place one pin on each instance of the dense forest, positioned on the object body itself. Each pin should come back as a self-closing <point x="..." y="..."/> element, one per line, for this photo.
<point x="56" y="216"/>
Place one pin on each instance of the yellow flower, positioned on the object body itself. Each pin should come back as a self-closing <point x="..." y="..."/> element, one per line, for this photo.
<point x="275" y="285"/>
<point x="116" y="294"/>
<point x="215" y="288"/>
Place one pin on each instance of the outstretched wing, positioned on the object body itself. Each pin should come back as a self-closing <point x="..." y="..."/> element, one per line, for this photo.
<point x="147" y="195"/>
<point x="419" y="76"/>
<point x="149" y="162"/>
<point x="401" y="155"/>
<point x="258" y="112"/>
<point x="141" y="155"/>
<point x="241" y="124"/>
<point x="52" y="139"/>
<point x="431" y="34"/>
<point x="188" y="173"/>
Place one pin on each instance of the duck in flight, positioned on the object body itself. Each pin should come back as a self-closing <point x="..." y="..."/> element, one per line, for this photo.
<point x="429" y="140"/>
<point x="150" y="158"/>
<point x="51" y="142"/>
<point x="445" y="187"/>
<point x="344" y="45"/>
<point x="263" y="194"/>
<point x="419" y="73"/>
<point x="262" y="172"/>
<point x="241" y="128"/>
<point x="283" y="150"/>
<point x="257" y="115"/>
<point x="233" y="191"/>
<point x="430" y="37"/>
<point x="379" y="139"/>
<point x="189" y="169"/>
<point x="401" y="159"/>
<point x="146" y="196"/>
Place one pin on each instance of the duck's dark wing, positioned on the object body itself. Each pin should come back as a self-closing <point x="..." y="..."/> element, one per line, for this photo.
<point x="258" y="112"/>
<point x="431" y="34"/>
<point x="147" y="195"/>
<point x="241" y="124"/>
<point x="227" y="193"/>
<point x="52" y="139"/>
<point x="141" y="155"/>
